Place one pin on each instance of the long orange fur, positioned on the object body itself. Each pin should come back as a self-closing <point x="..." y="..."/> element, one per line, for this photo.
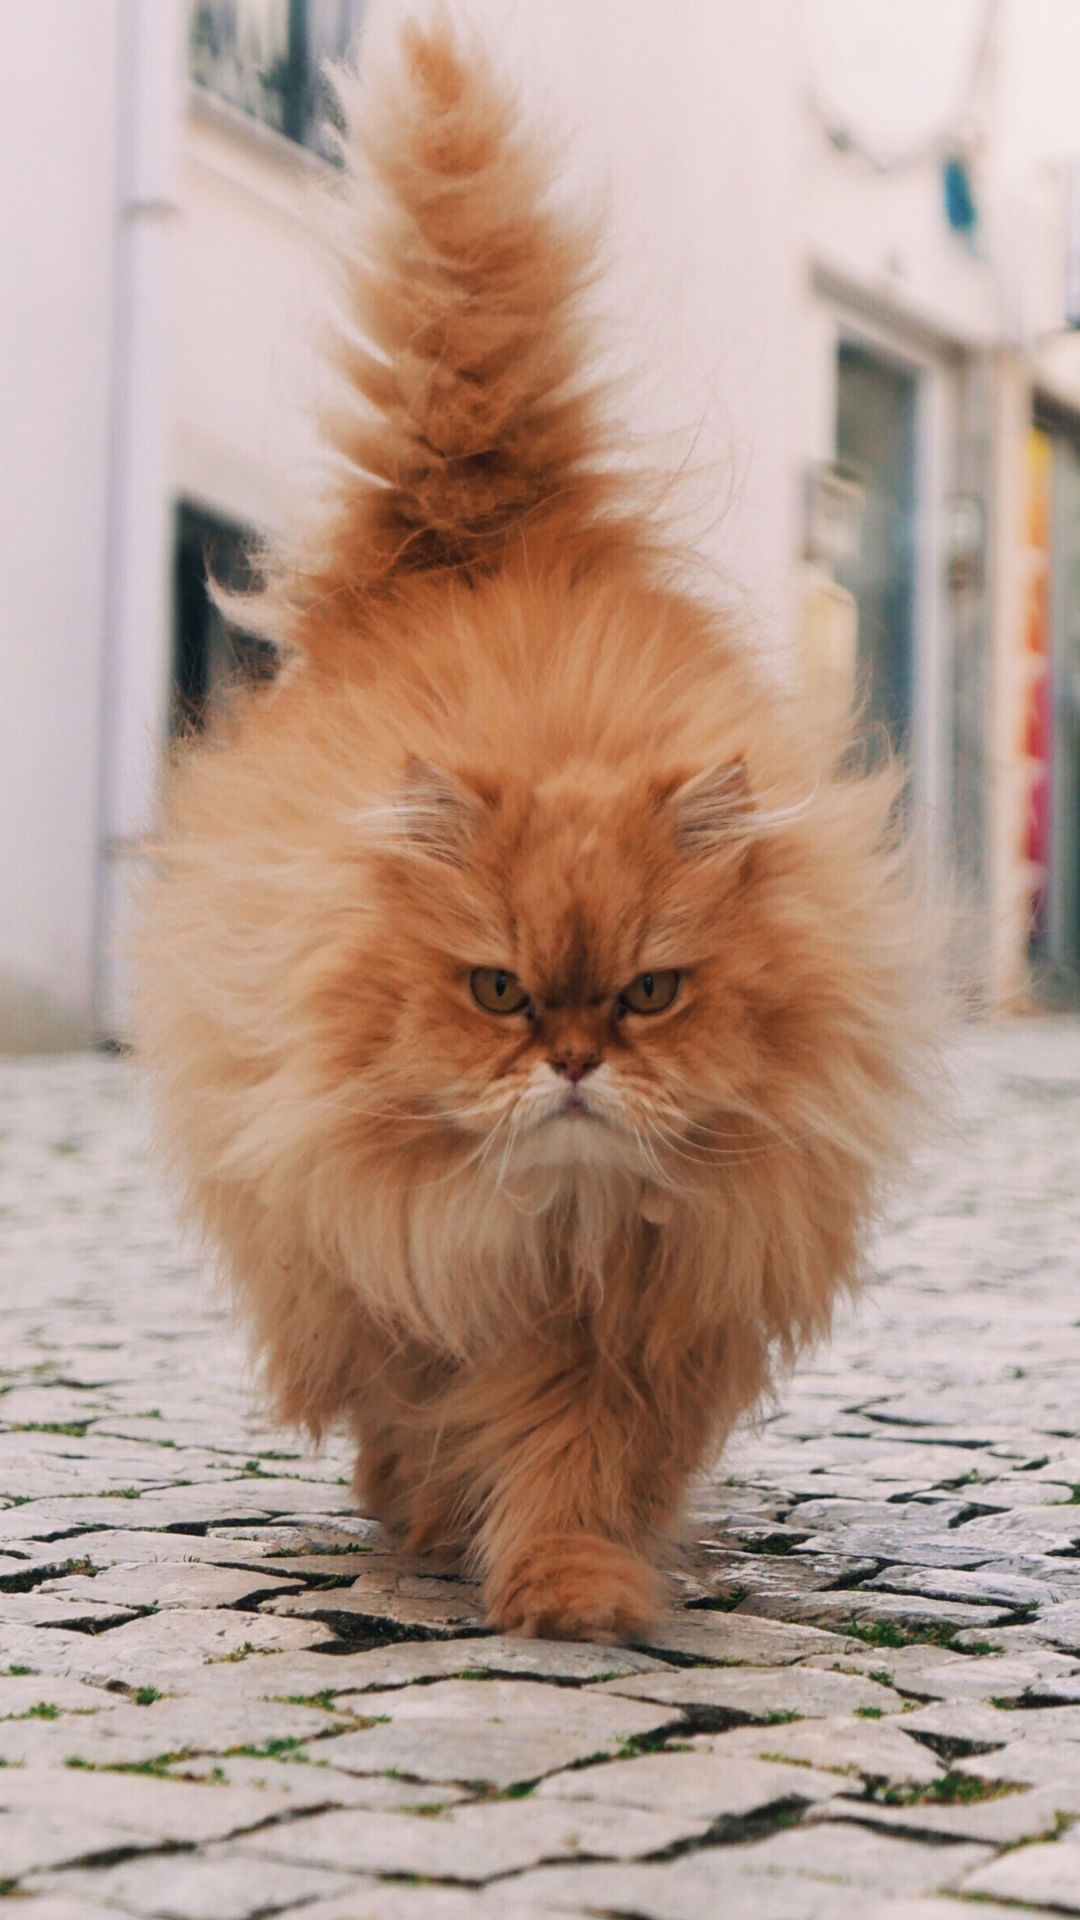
<point x="506" y="738"/>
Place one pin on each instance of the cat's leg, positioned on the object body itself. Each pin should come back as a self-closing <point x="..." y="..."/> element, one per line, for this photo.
<point x="579" y="1492"/>
<point x="571" y="1586"/>
<point x="419" y="1507"/>
<point x="583" y="1461"/>
<point x="403" y="1477"/>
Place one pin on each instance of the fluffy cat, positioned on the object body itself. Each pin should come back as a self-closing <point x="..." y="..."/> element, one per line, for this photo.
<point x="528" y="984"/>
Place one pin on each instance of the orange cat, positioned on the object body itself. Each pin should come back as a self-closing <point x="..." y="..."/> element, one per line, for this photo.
<point x="528" y="989"/>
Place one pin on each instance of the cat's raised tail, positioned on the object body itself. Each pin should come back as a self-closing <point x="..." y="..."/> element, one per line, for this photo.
<point x="466" y="421"/>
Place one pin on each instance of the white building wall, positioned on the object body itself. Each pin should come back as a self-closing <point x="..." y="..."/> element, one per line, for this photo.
<point x="135" y="674"/>
<point x="1038" y="137"/>
<point x="58" y="116"/>
<point x="250" y="301"/>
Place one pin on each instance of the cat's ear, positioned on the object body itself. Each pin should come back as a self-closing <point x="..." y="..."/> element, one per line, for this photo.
<point x="433" y="813"/>
<point x="714" y="810"/>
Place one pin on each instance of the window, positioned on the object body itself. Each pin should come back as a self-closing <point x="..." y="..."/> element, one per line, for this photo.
<point x="209" y="657"/>
<point x="266" y="57"/>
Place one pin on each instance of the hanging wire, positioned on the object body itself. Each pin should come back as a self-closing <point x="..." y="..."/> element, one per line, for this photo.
<point x="939" y="145"/>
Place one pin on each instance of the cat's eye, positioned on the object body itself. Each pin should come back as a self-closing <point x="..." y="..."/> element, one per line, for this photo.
<point x="650" y="992"/>
<point x="497" y="990"/>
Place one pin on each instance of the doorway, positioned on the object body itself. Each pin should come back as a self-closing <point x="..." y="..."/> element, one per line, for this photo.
<point x="876" y="421"/>
<point x="1055" y="800"/>
<point x="1063" y="917"/>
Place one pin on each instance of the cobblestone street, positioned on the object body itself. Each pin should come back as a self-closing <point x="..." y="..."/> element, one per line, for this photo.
<point x="221" y="1698"/>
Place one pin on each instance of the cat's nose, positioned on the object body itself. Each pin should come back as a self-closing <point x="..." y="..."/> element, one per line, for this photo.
<point x="574" y="1062"/>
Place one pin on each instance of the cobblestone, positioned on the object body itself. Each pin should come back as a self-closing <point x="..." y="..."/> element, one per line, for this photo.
<point x="220" y="1696"/>
<point x="877" y="1750"/>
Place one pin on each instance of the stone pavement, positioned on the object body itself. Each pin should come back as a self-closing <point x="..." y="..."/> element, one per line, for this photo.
<point x="221" y="1698"/>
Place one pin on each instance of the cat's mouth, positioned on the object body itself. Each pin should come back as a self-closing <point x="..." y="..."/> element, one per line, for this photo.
<point x="575" y="1106"/>
<point x="570" y="1130"/>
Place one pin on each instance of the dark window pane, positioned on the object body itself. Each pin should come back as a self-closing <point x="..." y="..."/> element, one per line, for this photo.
<point x="267" y="56"/>
<point x="209" y="657"/>
<point x="332" y="27"/>
<point x="240" y="50"/>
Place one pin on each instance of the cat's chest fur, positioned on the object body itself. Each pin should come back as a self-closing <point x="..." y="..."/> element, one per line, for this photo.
<point x="478" y="1259"/>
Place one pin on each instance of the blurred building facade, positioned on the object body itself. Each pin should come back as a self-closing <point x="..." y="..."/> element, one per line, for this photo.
<point x="841" y="268"/>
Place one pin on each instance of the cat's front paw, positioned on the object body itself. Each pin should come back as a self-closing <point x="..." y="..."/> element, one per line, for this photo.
<point x="573" y="1587"/>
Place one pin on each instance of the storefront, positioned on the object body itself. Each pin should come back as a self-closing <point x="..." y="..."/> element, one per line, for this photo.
<point x="1048" y="716"/>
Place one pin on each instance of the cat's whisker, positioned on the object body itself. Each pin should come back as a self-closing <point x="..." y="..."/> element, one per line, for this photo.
<point x="474" y="1159"/>
<point x="659" y="1144"/>
<point x="768" y="1123"/>
<point x="528" y="1213"/>
<point x="511" y="1137"/>
<point x="756" y="1116"/>
<point x="521" y="1207"/>
<point x="352" y="1109"/>
<point x="649" y="1157"/>
<point x="705" y="1154"/>
<point x="506" y="1119"/>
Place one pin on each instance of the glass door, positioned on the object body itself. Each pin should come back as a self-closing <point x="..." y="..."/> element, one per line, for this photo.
<point x="876" y="443"/>
<point x="1063" y="903"/>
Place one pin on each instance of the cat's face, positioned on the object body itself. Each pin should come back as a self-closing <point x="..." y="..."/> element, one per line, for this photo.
<point x="560" y="973"/>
